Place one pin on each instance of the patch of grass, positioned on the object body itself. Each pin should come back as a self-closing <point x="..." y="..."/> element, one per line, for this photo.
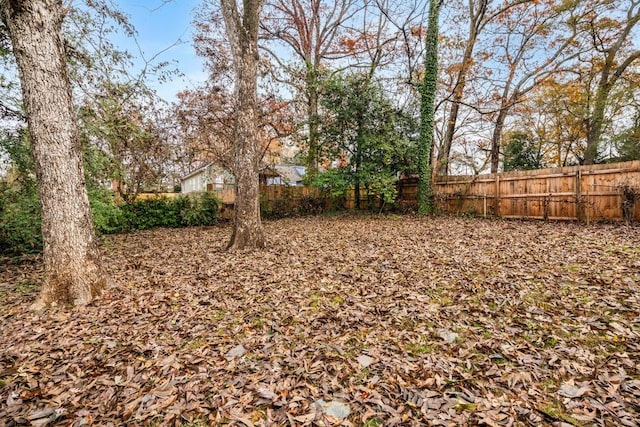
<point x="338" y="300"/>
<point x="549" y="385"/>
<point x="601" y="344"/>
<point x="216" y="315"/>
<point x="258" y="322"/>
<point x="27" y="287"/>
<point x="461" y="407"/>
<point x="315" y="300"/>
<point x="407" y="324"/>
<point x="623" y="249"/>
<point x="373" y="422"/>
<point x="197" y="423"/>
<point x="499" y="360"/>
<point x="487" y="333"/>
<point x="556" y="411"/>
<point x="419" y="348"/>
<point x="362" y="375"/>
<point x="197" y="343"/>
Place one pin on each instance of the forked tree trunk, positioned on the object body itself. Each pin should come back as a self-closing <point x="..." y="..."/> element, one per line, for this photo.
<point x="243" y="37"/>
<point x="73" y="271"/>
<point x="476" y="22"/>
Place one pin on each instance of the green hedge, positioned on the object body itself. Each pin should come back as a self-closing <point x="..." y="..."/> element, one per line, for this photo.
<point x="19" y="221"/>
<point x="20" y="216"/>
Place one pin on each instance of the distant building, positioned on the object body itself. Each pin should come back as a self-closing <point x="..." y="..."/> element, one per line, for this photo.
<point x="292" y="175"/>
<point x="207" y="178"/>
<point x="211" y="177"/>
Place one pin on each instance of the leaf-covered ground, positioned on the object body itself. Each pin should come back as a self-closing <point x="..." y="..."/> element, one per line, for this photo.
<point x="341" y="321"/>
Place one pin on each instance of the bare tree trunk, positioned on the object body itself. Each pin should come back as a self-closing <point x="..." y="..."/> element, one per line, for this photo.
<point x="596" y="122"/>
<point x="243" y="37"/>
<point x="476" y="22"/>
<point x="613" y="68"/>
<point x="73" y="271"/>
<point x="496" y="139"/>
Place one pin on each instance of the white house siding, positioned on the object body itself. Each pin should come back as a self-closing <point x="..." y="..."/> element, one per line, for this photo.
<point x="200" y="180"/>
<point x="194" y="183"/>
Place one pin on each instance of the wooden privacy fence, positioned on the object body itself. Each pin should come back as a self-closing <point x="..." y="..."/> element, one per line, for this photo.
<point x="271" y="193"/>
<point x="280" y="199"/>
<point x="583" y="193"/>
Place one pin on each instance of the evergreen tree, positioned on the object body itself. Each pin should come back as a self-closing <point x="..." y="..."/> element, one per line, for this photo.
<point x="521" y="153"/>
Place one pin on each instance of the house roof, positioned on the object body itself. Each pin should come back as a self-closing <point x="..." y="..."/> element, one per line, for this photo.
<point x="291" y="173"/>
<point x="196" y="172"/>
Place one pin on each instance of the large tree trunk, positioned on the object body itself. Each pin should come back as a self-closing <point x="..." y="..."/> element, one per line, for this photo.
<point x="356" y="186"/>
<point x="243" y="37"/>
<point x="444" y="154"/>
<point x="247" y="230"/>
<point x="312" y="93"/>
<point x="596" y="122"/>
<point x="73" y="272"/>
<point x="427" y="109"/>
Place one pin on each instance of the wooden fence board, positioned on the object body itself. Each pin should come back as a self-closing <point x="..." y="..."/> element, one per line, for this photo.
<point x="577" y="192"/>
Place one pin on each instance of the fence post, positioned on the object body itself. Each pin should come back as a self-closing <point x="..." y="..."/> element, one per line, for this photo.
<point x="546" y="202"/>
<point x="579" y="207"/>
<point x="484" y="201"/>
<point x="497" y="203"/>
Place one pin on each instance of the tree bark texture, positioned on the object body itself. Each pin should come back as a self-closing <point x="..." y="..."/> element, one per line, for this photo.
<point x="73" y="271"/>
<point x="496" y="138"/>
<point x="312" y="94"/>
<point x="243" y="37"/>
<point x="595" y="123"/>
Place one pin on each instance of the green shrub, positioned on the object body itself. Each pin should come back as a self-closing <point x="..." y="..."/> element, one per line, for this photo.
<point x="200" y="209"/>
<point x="20" y="229"/>
<point x="19" y="221"/>
<point x="151" y="213"/>
<point x="108" y="217"/>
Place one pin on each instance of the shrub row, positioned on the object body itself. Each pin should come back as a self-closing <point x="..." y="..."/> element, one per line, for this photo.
<point x="183" y="211"/>
<point x="20" y="216"/>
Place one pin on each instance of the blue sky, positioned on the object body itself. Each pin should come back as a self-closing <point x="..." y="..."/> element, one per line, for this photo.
<point x="159" y="26"/>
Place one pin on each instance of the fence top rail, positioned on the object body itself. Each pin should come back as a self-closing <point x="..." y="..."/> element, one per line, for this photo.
<point x="607" y="168"/>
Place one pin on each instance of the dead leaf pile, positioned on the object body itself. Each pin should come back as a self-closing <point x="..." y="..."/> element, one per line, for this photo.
<point x="341" y="321"/>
